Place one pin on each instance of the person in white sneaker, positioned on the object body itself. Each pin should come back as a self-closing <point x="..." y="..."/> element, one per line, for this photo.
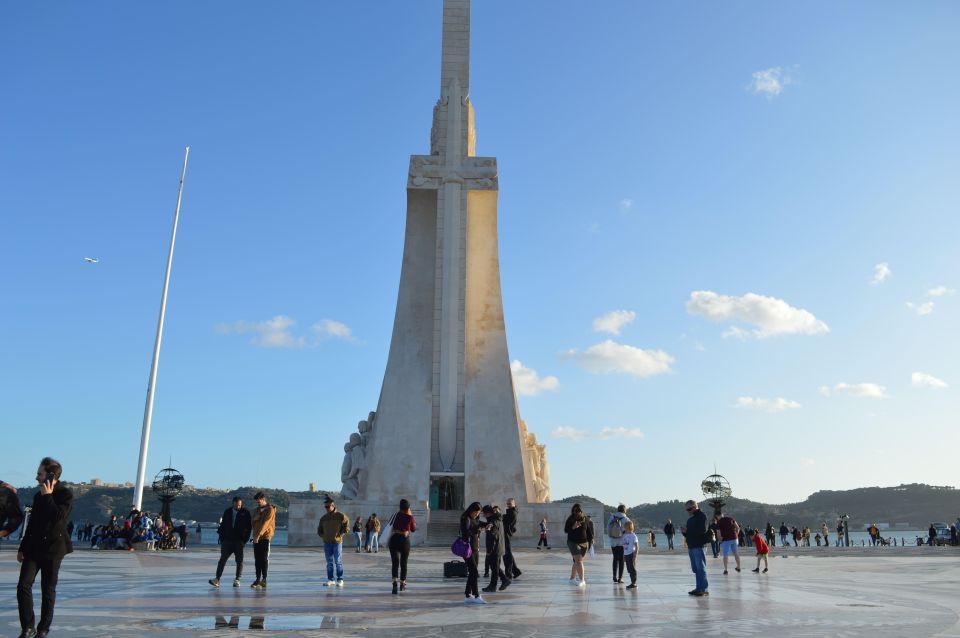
<point x="631" y="546"/>
<point x="333" y="525"/>
<point x="470" y="532"/>
<point x="579" y="532"/>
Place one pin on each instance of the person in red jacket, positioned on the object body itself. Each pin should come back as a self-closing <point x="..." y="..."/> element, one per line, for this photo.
<point x="762" y="551"/>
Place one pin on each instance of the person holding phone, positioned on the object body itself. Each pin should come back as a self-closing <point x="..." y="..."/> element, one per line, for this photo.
<point x="579" y="533"/>
<point x="44" y="544"/>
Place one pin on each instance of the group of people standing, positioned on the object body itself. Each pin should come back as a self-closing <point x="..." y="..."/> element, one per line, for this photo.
<point x="368" y="534"/>
<point x="498" y="529"/>
<point x="237" y="527"/>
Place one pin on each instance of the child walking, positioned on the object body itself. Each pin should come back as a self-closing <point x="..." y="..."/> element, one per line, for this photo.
<point x="762" y="551"/>
<point x="630" y="546"/>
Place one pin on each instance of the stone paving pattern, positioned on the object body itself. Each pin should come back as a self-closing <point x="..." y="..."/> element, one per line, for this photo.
<point x="838" y="593"/>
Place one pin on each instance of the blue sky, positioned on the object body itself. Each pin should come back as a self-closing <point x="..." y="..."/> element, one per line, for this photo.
<point x="767" y="193"/>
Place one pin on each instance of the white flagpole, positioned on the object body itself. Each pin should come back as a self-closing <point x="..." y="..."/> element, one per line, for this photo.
<point x="148" y="410"/>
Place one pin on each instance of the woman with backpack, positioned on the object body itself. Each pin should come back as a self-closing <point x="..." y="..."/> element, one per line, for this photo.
<point x="616" y="527"/>
<point x="579" y="532"/>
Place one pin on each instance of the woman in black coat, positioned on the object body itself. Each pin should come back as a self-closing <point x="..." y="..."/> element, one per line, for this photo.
<point x="470" y="532"/>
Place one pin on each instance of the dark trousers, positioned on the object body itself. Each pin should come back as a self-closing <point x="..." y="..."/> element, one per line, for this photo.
<point x="496" y="573"/>
<point x="399" y="546"/>
<point x="49" y="570"/>
<point x="631" y="561"/>
<point x="261" y="558"/>
<point x="669" y="541"/>
<point x="543" y="540"/>
<point x="509" y="562"/>
<point x="226" y="549"/>
<point x="472" y="575"/>
<point x="618" y="563"/>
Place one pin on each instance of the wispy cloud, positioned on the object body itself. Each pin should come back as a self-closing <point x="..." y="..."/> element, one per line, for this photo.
<point x="613" y="321"/>
<point x="626" y="204"/>
<point x="770" y="82"/>
<point x="328" y="328"/>
<point x="575" y="434"/>
<point x="924" y="380"/>
<point x="769" y="315"/>
<point x="921" y="309"/>
<point x="807" y="461"/>
<point x="767" y="405"/>
<point x="865" y="390"/>
<point x="881" y="272"/>
<point x="610" y="357"/>
<point x="528" y="383"/>
<point x="278" y="332"/>
<point x="940" y="291"/>
<point x="272" y="333"/>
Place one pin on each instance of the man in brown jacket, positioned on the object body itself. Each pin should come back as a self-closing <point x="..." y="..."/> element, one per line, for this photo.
<point x="264" y="525"/>
<point x="333" y="525"/>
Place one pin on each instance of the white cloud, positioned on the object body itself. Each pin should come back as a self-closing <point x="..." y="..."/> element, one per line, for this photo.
<point x="940" y="291"/>
<point x="769" y="315"/>
<point x="613" y="321"/>
<point x="610" y="357"/>
<point x="334" y="329"/>
<point x="272" y="333"/>
<point x="528" y="383"/>
<point x="278" y="332"/>
<point x="924" y="380"/>
<point x="626" y="204"/>
<point x="807" y="461"/>
<point x="881" y="272"/>
<point x="867" y="390"/>
<point x="922" y="309"/>
<point x="567" y="432"/>
<point x="767" y="405"/>
<point x="770" y="82"/>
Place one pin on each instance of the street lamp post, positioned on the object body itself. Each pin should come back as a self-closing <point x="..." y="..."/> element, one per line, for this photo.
<point x="148" y="409"/>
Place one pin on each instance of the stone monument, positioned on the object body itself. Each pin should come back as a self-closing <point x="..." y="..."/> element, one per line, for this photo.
<point x="447" y="429"/>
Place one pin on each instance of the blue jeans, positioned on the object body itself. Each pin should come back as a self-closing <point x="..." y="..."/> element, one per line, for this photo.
<point x="373" y="541"/>
<point x="698" y="563"/>
<point x="334" y="554"/>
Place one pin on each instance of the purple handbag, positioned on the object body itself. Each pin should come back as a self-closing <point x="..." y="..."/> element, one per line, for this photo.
<point x="461" y="548"/>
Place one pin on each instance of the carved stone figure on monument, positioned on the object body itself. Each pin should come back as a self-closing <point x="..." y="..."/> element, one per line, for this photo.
<point x="364" y="428"/>
<point x="354" y="462"/>
<point x="543" y="476"/>
<point x="347" y="475"/>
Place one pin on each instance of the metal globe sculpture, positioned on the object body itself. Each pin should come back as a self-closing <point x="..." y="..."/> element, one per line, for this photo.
<point x="716" y="491"/>
<point x="167" y="485"/>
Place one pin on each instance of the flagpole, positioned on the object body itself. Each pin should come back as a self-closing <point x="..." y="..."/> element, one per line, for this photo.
<point x="148" y="409"/>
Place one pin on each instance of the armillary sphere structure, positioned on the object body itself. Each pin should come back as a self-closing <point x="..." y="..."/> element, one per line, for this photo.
<point x="716" y="491"/>
<point x="167" y="485"/>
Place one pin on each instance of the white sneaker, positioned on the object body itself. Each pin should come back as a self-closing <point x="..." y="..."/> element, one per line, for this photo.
<point x="340" y="583"/>
<point x="329" y="583"/>
<point x="467" y="600"/>
<point x="582" y="583"/>
<point x="574" y="581"/>
<point x="478" y="601"/>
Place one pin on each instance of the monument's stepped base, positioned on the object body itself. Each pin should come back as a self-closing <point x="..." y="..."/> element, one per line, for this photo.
<point x="438" y="528"/>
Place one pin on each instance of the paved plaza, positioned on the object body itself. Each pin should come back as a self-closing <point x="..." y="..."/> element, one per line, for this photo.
<point x="838" y="593"/>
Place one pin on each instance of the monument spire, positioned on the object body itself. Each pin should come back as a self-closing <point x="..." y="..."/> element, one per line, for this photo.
<point x="455" y="55"/>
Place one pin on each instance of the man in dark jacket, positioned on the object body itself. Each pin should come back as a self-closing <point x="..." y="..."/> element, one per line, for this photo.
<point x="669" y="531"/>
<point x="509" y="529"/>
<point x="44" y="544"/>
<point x="235" y="528"/>
<point x="495" y="548"/>
<point x="11" y="515"/>
<point x="697" y="537"/>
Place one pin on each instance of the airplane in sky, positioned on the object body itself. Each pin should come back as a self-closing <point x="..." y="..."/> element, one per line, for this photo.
<point x="92" y="260"/>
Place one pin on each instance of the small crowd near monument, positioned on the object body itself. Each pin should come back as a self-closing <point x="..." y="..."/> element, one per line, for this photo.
<point x="46" y="540"/>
